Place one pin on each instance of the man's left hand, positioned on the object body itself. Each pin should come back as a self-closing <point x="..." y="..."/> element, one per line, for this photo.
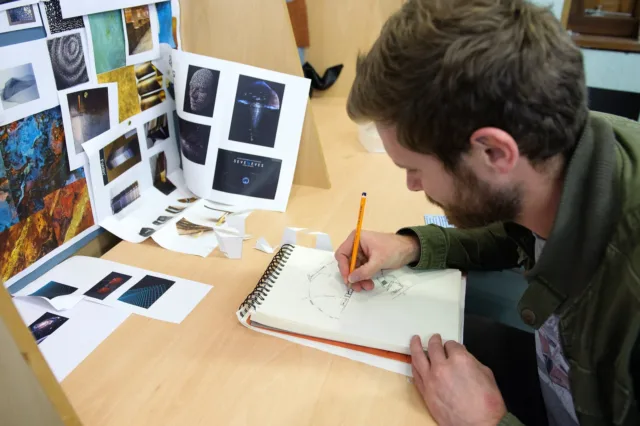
<point x="457" y="389"/>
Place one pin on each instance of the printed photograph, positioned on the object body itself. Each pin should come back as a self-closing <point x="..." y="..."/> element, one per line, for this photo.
<point x="119" y="156"/>
<point x="21" y="15"/>
<point x="161" y="220"/>
<point x="166" y="20"/>
<point x="107" y="285"/>
<point x="156" y="130"/>
<point x="121" y="199"/>
<point x="190" y="200"/>
<point x="158" y="165"/>
<point x="58" y="24"/>
<point x="149" y="82"/>
<point x="89" y="113"/>
<point x="67" y="61"/>
<point x="35" y="160"/>
<point x="53" y="289"/>
<point x="245" y="174"/>
<point x="174" y="209"/>
<point x="18" y="86"/>
<point x="46" y="325"/>
<point x="147" y="232"/>
<point x="194" y="141"/>
<point x="145" y="293"/>
<point x="256" y="111"/>
<point x="138" y="22"/>
<point x="128" y="99"/>
<point x="8" y="212"/>
<point x="107" y="38"/>
<point x="202" y="86"/>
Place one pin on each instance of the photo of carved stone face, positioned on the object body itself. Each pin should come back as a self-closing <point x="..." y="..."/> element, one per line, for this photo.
<point x="202" y="85"/>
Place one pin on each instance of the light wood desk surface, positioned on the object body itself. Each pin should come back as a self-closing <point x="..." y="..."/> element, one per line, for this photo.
<point x="210" y="370"/>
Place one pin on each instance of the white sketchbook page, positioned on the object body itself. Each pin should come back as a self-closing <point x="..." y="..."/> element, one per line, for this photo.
<point x="71" y="8"/>
<point x="6" y="25"/>
<point x="87" y="325"/>
<point x="267" y="171"/>
<point x="310" y="297"/>
<point x="19" y="3"/>
<point x="154" y="52"/>
<point x="23" y="62"/>
<point x="198" y="245"/>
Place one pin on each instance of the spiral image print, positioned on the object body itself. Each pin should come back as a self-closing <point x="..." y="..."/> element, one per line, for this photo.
<point x="67" y="61"/>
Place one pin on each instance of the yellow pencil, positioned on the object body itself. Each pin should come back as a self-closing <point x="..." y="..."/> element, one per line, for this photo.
<point x="356" y="239"/>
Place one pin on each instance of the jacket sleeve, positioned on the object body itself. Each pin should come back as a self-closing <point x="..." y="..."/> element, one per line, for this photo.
<point x="487" y="248"/>
<point x="510" y="420"/>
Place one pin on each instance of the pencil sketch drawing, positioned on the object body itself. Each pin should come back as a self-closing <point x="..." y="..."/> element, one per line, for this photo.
<point x="327" y="292"/>
<point x="392" y="284"/>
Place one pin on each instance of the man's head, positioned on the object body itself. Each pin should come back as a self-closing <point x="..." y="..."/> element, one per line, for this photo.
<point x="472" y="97"/>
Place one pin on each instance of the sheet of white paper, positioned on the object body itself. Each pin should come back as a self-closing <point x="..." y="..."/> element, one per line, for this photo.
<point x="147" y="47"/>
<point x="231" y="246"/>
<point x="26" y="81"/>
<point x="237" y="221"/>
<point x="71" y="8"/>
<point x="76" y="332"/>
<point x="236" y="150"/>
<point x="289" y="236"/>
<point x="81" y="126"/>
<point x="20" y="18"/>
<point x="60" y="303"/>
<point x="263" y="245"/>
<point x="323" y="241"/>
<point x="14" y="4"/>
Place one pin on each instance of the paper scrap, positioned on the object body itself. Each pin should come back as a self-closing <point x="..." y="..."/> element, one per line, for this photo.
<point x="230" y="245"/>
<point x="264" y="246"/>
<point x="290" y="235"/>
<point x="237" y="222"/>
<point x="323" y="241"/>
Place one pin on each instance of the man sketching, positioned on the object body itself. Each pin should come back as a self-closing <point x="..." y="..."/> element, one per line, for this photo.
<point x="483" y="103"/>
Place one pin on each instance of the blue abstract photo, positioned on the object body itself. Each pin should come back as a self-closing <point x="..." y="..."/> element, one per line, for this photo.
<point x="146" y="292"/>
<point x="21" y="15"/>
<point x="165" y="16"/>
<point x="53" y="289"/>
<point x="18" y="86"/>
<point x="8" y="212"/>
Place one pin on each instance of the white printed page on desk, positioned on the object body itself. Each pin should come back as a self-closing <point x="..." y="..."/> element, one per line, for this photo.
<point x="67" y="338"/>
<point x="126" y="288"/>
<point x="240" y="129"/>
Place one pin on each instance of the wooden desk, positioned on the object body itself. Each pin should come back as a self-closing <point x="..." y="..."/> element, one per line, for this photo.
<point x="210" y="370"/>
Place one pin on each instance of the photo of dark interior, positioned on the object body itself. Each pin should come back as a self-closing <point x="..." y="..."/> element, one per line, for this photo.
<point x="89" y="111"/>
<point x="157" y="130"/>
<point x="120" y="155"/>
<point x="245" y="174"/>
<point x="158" y="166"/>
<point x="194" y="141"/>
<point x="107" y="285"/>
<point x="256" y="111"/>
<point x="121" y="199"/>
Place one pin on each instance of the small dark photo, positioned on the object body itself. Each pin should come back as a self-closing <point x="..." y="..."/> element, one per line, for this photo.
<point x="53" y="289"/>
<point x="146" y="292"/>
<point x="147" y="232"/>
<point x="256" y="111"/>
<point x="107" y="285"/>
<point x="246" y="174"/>
<point x="194" y="141"/>
<point x="44" y="326"/>
<point x="202" y="86"/>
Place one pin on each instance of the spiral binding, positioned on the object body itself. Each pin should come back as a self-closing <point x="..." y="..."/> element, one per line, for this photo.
<point x="257" y="296"/>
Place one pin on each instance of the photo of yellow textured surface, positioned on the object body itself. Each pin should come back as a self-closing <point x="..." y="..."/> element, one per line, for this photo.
<point x="128" y="100"/>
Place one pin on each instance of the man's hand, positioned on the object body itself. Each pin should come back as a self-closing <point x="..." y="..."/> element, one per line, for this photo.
<point x="457" y="389"/>
<point x="377" y="251"/>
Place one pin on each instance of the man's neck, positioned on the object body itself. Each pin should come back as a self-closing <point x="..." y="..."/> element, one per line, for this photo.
<point x="542" y="197"/>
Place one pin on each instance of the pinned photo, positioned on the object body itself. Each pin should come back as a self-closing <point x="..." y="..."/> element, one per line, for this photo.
<point x="18" y="86"/>
<point x="202" y="86"/>
<point x="68" y="61"/>
<point x="55" y="23"/>
<point x="46" y="325"/>
<point x="53" y="289"/>
<point x="158" y="165"/>
<point x="146" y="292"/>
<point x="107" y="285"/>
<point x="121" y="199"/>
<point x="194" y="141"/>
<point x="147" y="232"/>
<point x="107" y="38"/>
<point x="156" y="130"/>
<point x="21" y="15"/>
<point x="161" y="220"/>
<point x="246" y="174"/>
<point x="256" y="111"/>
<point x="89" y="114"/>
<point x="119" y="156"/>
<point x="138" y="24"/>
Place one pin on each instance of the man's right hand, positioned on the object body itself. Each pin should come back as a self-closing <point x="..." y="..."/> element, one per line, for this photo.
<point x="377" y="251"/>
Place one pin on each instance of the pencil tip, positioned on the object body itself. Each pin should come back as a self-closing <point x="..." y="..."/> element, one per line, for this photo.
<point x="364" y="194"/>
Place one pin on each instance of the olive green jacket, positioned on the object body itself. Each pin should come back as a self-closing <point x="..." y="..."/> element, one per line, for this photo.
<point x="588" y="272"/>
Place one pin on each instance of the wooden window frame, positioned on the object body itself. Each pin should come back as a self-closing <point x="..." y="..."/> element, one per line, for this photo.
<point x="619" y="33"/>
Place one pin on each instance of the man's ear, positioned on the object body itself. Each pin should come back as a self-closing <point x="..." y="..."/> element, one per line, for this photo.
<point x="497" y="149"/>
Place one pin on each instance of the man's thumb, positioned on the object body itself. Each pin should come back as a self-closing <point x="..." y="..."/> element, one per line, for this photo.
<point x="366" y="271"/>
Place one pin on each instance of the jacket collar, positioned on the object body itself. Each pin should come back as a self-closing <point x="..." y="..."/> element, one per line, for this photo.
<point x="587" y="214"/>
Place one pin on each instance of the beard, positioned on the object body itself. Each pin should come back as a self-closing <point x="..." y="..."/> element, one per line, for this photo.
<point x="477" y="204"/>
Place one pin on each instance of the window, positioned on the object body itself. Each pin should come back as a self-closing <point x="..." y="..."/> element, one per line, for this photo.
<point x="605" y="24"/>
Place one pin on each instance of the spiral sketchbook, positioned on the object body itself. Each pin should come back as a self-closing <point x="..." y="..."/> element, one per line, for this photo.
<point x="302" y="294"/>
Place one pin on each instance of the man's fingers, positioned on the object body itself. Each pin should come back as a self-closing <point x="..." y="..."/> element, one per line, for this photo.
<point x="417" y="379"/>
<point x="418" y="357"/>
<point x="366" y="271"/>
<point x="343" y="256"/>
<point x="436" y="350"/>
<point x="452" y="348"/>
